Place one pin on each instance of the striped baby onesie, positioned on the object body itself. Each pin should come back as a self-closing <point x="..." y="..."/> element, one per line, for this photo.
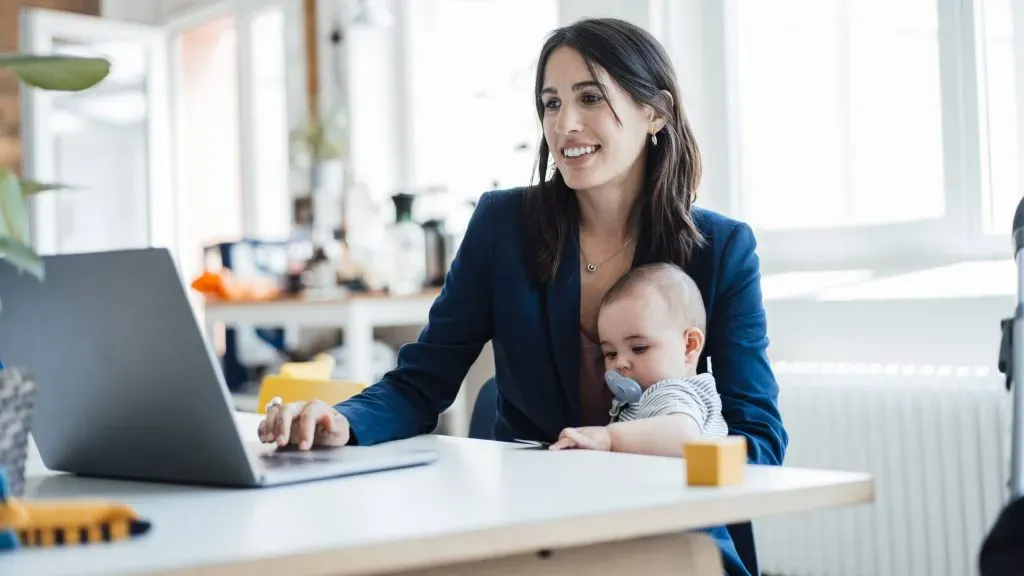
<point x="696" y="397"/>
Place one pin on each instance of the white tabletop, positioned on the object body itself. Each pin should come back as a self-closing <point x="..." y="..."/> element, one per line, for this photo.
<point x="481" y="499"/>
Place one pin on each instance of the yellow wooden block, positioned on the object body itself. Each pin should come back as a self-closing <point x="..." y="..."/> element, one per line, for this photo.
<point x="715" y="461"/>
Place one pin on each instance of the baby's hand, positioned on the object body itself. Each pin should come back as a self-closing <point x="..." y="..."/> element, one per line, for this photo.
<point x="586" y="438"/>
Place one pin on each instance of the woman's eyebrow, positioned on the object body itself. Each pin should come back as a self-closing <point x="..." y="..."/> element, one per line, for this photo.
<point x="575" y="87"/>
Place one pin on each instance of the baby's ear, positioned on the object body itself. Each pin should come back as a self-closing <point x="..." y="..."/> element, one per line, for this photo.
<point x="694" y="338"/>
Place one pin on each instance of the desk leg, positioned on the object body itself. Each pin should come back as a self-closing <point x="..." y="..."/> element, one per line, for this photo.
<point x="211" y="334"/>
<point x="359" y="345"/>
<point x="692" y="554"/>
<point x="457" y="415"/>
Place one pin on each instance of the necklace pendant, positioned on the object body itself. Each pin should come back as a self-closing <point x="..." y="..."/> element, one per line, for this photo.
<point x="591" y="268"/>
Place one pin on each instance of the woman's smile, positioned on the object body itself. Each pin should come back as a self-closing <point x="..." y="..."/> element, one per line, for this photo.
<point x="579" y="156"/>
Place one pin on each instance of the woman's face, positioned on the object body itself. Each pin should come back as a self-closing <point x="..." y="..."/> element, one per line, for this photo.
<point x="590" y="148"/>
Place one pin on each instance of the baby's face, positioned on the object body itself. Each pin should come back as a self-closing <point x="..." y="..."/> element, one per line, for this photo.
<point x="642" y="340"/>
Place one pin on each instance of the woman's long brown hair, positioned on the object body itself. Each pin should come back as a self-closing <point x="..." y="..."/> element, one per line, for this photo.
<point x="639" y="64"/>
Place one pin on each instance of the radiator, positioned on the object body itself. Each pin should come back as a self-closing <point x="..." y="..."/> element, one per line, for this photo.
<point x="936" y="440"/>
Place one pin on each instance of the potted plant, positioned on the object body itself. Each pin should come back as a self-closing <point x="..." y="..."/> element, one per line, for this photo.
<point x="17" y="387"/>
<point x="320" y="144"/>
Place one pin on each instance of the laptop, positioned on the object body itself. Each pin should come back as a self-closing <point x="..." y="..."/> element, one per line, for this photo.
<point x="128" y="386"/>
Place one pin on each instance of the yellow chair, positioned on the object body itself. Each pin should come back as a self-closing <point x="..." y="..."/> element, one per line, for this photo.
<point x="301" y="381"/>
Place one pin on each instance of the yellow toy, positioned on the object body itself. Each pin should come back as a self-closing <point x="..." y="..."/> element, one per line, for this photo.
<point x="715" y="461"/>
<point x="54" y="523"/>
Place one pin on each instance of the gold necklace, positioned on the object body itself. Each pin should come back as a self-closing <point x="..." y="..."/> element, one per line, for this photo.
<point x="591" y="267"/>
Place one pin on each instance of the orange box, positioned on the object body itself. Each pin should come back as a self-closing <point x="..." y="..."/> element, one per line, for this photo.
<point x="715" y="461"/>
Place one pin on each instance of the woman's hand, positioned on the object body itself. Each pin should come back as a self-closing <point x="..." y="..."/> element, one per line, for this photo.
<point x="586" y="438"/>
<point x="305" y="424"/>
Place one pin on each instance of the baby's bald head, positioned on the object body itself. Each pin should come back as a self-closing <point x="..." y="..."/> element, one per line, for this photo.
<point x="652" y="325"/>
<point x="679" y="291"/>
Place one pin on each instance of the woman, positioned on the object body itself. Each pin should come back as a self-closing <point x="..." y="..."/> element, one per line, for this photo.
<point x="535" y="263"/>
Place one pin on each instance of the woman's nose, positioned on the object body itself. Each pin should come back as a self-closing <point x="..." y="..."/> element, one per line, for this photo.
<point x="568" y="120"/>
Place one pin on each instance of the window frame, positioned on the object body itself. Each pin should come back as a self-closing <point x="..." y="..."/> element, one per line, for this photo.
<point x="244" y="13"/>
<point x="698" y="36"/>
<point x="958" y="235"/>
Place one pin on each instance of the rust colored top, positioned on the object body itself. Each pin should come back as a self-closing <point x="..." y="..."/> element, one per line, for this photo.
<point x="595" y="396"/>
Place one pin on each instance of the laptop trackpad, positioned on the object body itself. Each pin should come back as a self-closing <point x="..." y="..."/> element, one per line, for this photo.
<point x="286" y="457"/>
<point x="270" y="455"/>
<point x="272" y="458"/>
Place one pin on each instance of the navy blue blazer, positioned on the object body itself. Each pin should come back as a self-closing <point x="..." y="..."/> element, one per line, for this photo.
<point x="534" y="329"/>
<point x="489" y="295"/>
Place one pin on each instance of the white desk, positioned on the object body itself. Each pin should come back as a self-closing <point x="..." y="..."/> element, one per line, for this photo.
<point x="356" y="314"/>
<point x="492" y="504"/>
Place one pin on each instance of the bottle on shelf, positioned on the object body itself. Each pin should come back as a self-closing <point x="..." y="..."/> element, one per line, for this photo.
<point x="408" y="249"/>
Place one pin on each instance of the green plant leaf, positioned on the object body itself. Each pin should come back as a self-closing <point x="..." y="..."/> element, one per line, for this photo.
<point x="22" y="257"/>
<point x="13" y="214"/>
<point x="30" y="187"/>
<point x="63" y="73"/>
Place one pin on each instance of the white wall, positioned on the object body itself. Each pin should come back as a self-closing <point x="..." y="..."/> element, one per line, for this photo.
<point x="147" y="12"/>
<point x="957" y="332"/>
<point x="637" y="12"/>
<point x="109" y="163"/>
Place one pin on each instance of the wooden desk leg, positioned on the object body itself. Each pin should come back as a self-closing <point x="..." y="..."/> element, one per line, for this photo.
<point x="460" y="413"/>
<point x="213" y="331"/>
<point x="359" y="345"/>
<point x="456" y="418"/>
<point x="692" y="554"/>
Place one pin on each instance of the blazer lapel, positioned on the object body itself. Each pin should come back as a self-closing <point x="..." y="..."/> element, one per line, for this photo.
<point x="563" y="311"/>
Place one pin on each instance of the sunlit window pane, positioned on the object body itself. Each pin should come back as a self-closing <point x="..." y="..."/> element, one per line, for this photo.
<point x="1001" y="189"/>
<point x="839" y="118"/>
<point x="473" y="119"/>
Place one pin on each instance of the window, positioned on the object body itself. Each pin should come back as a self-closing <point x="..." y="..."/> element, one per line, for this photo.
<point x="268" y="120"/>
<point x="864" y="131"/>
<point x="232" y="121"/>
<point x="209" y="175"/>
<point x="1000" y="124"/>
<point x="471" y="75"/>
<point x="839" y="114"/>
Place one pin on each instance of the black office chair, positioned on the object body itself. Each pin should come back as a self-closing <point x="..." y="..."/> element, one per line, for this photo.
<point x="1002" y="552"/>
<point x="481" y="427"/>
<point x="485" y="412"/>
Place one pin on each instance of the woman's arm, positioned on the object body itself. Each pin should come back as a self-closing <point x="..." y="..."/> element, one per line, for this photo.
<point x="429" y="372"/>
<point x="737" y="347"/>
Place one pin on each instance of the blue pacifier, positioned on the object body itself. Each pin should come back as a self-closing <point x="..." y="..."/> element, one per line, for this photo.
<point x="626" y="390"/>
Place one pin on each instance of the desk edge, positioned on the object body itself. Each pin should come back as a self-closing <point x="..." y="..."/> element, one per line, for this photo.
<point x="461" y="547"/>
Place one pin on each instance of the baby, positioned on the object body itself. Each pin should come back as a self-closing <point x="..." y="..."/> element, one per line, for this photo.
<point x="651" y="325"/>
